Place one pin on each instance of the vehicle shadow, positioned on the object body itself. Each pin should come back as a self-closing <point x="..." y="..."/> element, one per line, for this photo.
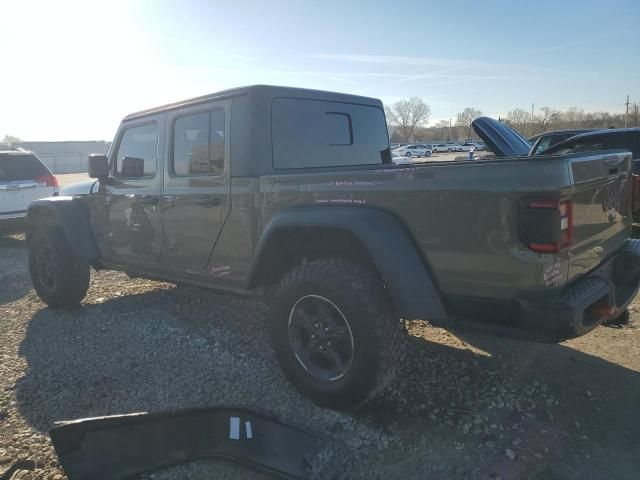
<point x="574" y="412"/>
<point x="184" y="347"/>
<point x="14" y="278"/>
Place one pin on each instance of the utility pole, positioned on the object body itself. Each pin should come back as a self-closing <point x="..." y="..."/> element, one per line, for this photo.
<point x="626" y="112"/>
<point x="449" y="139"/>
<point x="532" y="132"/>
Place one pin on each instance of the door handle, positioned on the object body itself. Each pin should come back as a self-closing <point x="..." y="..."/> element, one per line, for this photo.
<point x="168" y="201"/>
<point x="148" y="200"/>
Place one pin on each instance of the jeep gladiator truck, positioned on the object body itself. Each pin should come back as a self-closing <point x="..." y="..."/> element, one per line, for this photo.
<point x="291" y="193"/>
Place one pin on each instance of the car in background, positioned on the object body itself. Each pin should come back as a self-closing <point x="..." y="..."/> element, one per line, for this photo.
<point x="467" y="146"/>
<point x="549" y="139"/>
<point x="441" y="148"/>
<point x="401" y="160"/>
<point x="393" y="146"/>
<point x="23" y="178"/>
<point x="427" y="148"/>
<point x="454" y="147"/>
<point x="412" y="151"/>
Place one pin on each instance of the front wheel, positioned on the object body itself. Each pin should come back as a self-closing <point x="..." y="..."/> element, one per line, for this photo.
<point x="59" y="276"/>
<point x="408" y="154"/>
<point x="335" y="332"/>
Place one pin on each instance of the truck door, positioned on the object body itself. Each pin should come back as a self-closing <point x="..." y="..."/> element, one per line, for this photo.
<point x="130" y="225"/>
<point x="196" y="197"/>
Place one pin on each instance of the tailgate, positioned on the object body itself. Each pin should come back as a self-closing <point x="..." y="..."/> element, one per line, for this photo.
<point x="16" y="196"/>
<point x="601" y="202"/>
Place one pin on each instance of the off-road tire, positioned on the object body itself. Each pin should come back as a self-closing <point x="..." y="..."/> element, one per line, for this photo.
<point x="69" y="275"/>
<point x="378" y="334"/>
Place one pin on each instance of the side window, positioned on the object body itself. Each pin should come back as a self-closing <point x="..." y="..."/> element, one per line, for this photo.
<point x="311" y="133"/>
<point x="198" y="144"/>
<point x="584" y="145"/>
<point x="137" y="152"/>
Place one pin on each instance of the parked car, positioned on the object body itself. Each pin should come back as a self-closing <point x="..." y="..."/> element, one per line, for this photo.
<point x="402" y="160"/>
<point x="427" y="149"/>
<point x="340" y="240"/>
<point x="548" y="139"/>
<point x="453" y="147"/>
<point x="393" y="146"/>
<point x="23" y="178"/>
<point x="465" y="147"/>
<point x="412" y="151"/>
<point x="441" y="148"/>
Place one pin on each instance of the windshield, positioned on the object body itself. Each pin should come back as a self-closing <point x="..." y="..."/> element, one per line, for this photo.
<point x="310" y="240"/>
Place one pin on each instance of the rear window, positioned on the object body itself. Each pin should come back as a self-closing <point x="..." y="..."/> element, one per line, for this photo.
<point x="551" y="140"/>
<point x="311" y="133"/>
<point x="21" y="167"/>
<point x="589" y="144"/>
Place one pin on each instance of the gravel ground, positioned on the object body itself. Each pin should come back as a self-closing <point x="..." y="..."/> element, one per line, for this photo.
<point x="467" y="407"/>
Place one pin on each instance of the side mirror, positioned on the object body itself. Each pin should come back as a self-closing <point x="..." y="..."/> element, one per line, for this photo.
<point x="132" y="167"/>
<point x="98" y="166"/>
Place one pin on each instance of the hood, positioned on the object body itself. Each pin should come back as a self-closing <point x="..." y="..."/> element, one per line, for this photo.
<point x="78" y="188"/>
<point x="501" y="139"/>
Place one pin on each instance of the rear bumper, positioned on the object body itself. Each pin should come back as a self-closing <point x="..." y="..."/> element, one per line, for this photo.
<point x="586" y="302"/>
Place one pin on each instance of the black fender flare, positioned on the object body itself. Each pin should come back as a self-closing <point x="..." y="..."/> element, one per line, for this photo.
<point x="72" y="217"/>
<point x="404" y="270"/>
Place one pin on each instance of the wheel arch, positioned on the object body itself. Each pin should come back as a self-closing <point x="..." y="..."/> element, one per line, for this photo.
<point x="71" y="217"/>
<point x="372" y="237"/>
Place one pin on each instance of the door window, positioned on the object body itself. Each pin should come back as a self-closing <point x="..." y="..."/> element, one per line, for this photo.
<point x="138" y="152"/>
<point x="198" y="144"/>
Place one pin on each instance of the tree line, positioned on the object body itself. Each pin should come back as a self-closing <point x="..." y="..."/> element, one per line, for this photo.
<point x="408" y="121"/>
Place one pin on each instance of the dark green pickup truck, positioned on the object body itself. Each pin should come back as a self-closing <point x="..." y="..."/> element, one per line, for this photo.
<point x="291" y="193"/>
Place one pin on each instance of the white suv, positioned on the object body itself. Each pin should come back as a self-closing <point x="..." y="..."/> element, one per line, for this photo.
<point x="23" y="178"/>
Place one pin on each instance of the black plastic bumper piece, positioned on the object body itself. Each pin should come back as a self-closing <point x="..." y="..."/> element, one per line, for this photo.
<point x="116" y="447"/>
<point x="585" y="303"/>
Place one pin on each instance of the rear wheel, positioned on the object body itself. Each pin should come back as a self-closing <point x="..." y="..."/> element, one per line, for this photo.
<point x="408" y="154"/>
<point x="335" y="332"/>
<point x="59" y="276"/>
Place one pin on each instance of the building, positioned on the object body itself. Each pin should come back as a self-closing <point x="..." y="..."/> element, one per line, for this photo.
<point x="65" y="157"/>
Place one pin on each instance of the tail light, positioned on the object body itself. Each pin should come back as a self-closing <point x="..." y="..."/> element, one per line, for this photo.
<point x="546" y="226"/>
<point x="635" y="192"/>
<point x="47" y="181"/>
